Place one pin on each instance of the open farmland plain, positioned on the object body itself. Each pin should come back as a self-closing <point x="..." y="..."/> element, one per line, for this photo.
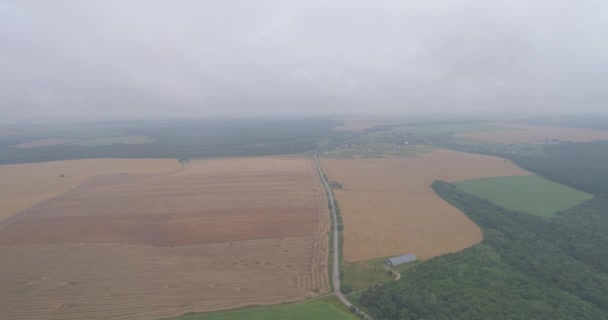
<point x="222" y="233"/>
<point x="520" y="133"/>
<point x="389" y="209"/>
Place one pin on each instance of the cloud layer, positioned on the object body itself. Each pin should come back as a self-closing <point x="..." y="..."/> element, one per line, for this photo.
<point x="149" y="58"/>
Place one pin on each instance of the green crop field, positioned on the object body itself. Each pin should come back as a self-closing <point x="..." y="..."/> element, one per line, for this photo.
<point x="532" y="194"/>
<point x="326" y="308"/>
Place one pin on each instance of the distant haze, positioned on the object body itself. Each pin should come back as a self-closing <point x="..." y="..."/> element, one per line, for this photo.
<point x="123" y="59"/>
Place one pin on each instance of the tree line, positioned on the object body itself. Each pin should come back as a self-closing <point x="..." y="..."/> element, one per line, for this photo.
<point x="187" y="139"/>
<point x="579" y="165"/>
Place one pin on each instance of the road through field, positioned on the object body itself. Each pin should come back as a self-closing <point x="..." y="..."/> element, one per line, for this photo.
<point x="336" y="270"/>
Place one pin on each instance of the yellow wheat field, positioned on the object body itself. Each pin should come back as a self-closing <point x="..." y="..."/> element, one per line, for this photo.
<point x="389" y="209"/>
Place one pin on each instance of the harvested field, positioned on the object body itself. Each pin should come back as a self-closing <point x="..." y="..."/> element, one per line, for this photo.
<point x="178" y="229"/>
<point x="43" y="143"/>
<point x="529" y="134"/>
<point x="389" y="209"/>
<point x="23" y="185"/>
<point x="114" y="281"/>
<point x="220" y="234"/>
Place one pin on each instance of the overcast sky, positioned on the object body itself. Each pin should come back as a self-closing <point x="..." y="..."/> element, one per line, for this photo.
<point x="75" y="59"/>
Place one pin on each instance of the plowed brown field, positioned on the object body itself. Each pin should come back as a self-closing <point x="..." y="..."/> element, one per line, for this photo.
<point x="219" y="234"/>
<point x="528" y="133"/>
<point x="389" y="209"/>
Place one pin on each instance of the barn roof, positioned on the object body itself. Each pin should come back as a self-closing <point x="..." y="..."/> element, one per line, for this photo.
<point x="402" y="259"/>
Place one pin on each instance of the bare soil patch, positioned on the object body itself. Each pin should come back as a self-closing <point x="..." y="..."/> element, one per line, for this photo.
<point x="389" y="208"/>
<point x="531" y="134"/>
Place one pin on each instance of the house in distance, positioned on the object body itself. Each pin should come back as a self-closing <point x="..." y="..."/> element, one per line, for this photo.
<point x="395" y="261"/>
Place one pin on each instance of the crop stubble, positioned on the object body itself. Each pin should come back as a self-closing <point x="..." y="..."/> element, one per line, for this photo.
<point x="389" y="208"/>
<point x="220" y="234"/>
<point x="23" y="185"/>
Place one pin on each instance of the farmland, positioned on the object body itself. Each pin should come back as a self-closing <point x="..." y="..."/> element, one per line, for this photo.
<point x="389" y="209"/>
<point x="532" y="194"/>
<point x="24" y="185"/>
<point x="222" y="233"/>
<point x="521" y="133"/>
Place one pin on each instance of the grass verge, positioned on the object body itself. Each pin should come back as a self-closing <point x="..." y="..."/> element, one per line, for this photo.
<point x="361" y="275"/>
<point x="324" y="308"/>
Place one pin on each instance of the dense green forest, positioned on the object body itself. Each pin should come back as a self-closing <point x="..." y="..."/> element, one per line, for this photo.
<point x="526" y="268"/>
<point x="181" y="139"/>
<point x="579" y="165"/>
<point x="589" y="121"/>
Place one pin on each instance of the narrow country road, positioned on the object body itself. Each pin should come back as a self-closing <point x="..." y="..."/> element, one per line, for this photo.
<point x="336" y="270"/>
<point x="394" y="272"/>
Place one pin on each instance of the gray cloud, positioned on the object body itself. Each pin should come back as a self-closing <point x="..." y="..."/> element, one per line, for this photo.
<point x="208" y="58"/>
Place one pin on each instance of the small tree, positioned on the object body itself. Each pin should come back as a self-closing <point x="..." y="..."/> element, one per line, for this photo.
<point x="61" y="175"/>
<point x="346" y="288"/>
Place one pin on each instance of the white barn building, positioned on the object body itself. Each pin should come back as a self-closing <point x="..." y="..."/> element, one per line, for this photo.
<point x="395" y="261"/>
